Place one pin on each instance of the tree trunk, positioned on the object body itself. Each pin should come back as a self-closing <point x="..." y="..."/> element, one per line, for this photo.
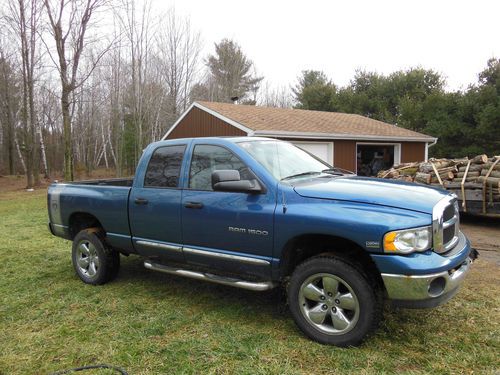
<point x="68" y="145"/>
<point x="44" y="155"/>
<point x="20" y="154"/>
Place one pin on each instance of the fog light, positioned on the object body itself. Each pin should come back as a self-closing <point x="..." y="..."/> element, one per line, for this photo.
<point x="436" y="287"/>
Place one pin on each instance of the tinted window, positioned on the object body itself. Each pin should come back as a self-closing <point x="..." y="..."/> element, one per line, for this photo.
<point x="164" y="167"/>
<point x="207" y="159"/>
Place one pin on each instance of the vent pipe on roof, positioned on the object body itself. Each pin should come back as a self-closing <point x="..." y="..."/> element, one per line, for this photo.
<point x="234" y="99"/>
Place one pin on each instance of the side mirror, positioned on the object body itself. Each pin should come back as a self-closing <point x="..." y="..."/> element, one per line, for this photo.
<point x="229" y="180"/>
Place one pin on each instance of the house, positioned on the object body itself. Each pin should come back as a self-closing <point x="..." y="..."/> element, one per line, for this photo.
<point x="348" y="141"/>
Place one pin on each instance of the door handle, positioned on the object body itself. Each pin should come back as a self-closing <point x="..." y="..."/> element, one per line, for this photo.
<point x="196" y="205"/>
<point x="141" y="201"/>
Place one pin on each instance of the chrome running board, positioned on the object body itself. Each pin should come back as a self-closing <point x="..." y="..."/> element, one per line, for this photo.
<point x="238" y="283"/>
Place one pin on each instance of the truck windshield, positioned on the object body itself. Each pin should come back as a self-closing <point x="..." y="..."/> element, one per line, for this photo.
<point x="284" y="160"/>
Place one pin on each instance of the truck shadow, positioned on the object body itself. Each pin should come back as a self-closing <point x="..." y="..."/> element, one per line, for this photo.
<point x="270" y="306"/>
<point x="208" y="295"/>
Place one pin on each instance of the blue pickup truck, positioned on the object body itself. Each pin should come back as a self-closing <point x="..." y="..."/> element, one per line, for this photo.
<point x="258" y="213"/>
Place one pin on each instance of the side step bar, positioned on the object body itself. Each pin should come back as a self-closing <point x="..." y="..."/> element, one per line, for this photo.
<point x="238" y="283"/>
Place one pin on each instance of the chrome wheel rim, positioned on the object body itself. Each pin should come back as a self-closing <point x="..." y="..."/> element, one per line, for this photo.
<point x="87" y="259"/>
<point x="329" y="304"/>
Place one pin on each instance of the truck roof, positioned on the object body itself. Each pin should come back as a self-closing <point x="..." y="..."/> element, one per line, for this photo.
<point x="231" y="139"/>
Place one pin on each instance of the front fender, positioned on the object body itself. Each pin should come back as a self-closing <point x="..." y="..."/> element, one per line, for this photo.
<point x="361" y="223"/>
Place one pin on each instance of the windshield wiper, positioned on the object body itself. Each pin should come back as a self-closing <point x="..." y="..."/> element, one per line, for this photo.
<point x="300" y="175"/>
<point x="336" y="171"/>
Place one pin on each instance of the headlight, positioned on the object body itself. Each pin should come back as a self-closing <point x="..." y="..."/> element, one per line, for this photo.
<point x="408" y="240"/>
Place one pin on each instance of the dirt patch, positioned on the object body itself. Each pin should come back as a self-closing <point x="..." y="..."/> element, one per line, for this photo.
<point x="484" y="233"/>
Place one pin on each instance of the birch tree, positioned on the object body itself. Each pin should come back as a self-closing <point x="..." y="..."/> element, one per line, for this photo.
<point x="23" y="17"/>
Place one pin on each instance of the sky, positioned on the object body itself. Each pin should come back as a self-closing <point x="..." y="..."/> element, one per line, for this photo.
<point x="455" y="38"/>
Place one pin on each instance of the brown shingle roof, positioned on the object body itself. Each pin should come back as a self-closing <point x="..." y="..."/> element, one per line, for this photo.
<point x="281" y="121"/>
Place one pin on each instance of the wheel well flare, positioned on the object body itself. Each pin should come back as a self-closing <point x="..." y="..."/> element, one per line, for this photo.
<point x="82" y="220"/>
<point x="306" y="246"/>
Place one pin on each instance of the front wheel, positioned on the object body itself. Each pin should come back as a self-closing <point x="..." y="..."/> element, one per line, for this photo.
<point x="333" y="302"/>
<point x="94" y="262"/>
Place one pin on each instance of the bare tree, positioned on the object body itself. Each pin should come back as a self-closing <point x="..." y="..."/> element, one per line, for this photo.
<point x="24" y="16"/>
<point x="179" y="51"/>
<point x="69" y="21"/>
<point x="8" y="96"/>
<point x="279" y="96"/>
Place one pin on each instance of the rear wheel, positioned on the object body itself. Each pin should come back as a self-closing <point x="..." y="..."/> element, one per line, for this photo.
<point x="94" y="262"/>
<point x="333" y="302"/>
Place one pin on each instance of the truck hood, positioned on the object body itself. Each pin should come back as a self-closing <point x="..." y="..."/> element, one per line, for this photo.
<point x="390" y="193"/>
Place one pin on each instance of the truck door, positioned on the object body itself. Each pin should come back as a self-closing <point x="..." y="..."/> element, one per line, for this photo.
<point x="155" y="205"/>
<point x="225" y="230"/>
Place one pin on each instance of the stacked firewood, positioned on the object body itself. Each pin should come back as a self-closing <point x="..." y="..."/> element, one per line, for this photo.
<point x="475" y="179"/>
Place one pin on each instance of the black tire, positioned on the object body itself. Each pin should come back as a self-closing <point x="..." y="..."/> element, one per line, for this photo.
<point x="94" y="262"/>
<point x="349" y="315"/>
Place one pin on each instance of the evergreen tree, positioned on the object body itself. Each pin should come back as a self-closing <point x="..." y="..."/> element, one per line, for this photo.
<point x="314" y="91"/>
<point x="231" y="74"/>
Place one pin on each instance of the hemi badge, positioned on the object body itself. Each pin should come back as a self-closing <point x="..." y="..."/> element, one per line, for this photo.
<point x="374" y="244"/>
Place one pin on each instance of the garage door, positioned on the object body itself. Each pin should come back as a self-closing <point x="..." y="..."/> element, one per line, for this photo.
<point x="323" y="150"/>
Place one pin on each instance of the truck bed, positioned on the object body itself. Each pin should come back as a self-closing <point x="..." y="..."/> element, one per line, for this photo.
<point x="128" y="181"/>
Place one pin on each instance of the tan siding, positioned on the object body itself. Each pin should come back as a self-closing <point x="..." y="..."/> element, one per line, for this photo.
<point x="198" y="123"/>
<point x="344" y="154"/>
<point x="412" y="151"/>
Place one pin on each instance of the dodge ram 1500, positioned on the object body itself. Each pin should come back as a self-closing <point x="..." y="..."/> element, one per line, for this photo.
<point x="257" y="213"/>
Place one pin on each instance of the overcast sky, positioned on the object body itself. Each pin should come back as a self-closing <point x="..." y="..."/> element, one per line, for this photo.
<point x="455" y="38"/>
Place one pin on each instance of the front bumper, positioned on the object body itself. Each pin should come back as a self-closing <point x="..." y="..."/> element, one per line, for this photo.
<point x="424" y="290"/>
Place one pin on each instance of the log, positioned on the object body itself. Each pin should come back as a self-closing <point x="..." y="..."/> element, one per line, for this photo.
<point x="457" y="185"/>
<point x="472" y="168"/>
<point x="480" y="159"/>
<point x="444" y="176"/>
<point x="492" y="182"/>
<point x="424" y="178"/>
<point x="392" y="173"/>
<point x="460" y="162"/>
<point x="406" y="165"/>
<point x="480" y="167"/>
<point x="493" y="173"/>
<point x="470" y="174"/>
<point x="446" y="169"/>
<point x="468" y="179"/>
<point x="409" y="171"/>
<point x="426" y="167"/>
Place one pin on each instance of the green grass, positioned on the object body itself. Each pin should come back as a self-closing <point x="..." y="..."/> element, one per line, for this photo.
<point x="152" y="323"/>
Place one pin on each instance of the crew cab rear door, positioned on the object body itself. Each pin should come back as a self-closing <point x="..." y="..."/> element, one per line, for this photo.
<point x="155" y="204"/>
<point x="225" y="230"/>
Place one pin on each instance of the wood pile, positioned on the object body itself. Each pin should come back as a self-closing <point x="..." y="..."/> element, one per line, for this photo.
<point x="475" y="181"/>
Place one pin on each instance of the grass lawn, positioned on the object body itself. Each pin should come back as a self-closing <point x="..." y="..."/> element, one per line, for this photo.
<point x="151" y="323"/>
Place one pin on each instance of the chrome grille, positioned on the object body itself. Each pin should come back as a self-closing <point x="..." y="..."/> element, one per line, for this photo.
<point x="445" y="224"/>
